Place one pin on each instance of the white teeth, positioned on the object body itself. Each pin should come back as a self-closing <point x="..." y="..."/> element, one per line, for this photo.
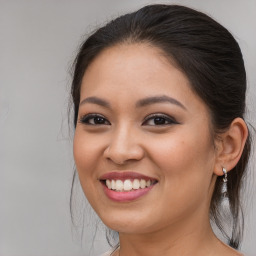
<point x="108" y="183"/>
<point x="113" y="184"/>
<point x="136" y="184"/>
<point x="127" y="185"/>
<point x="119" y="185"/>
<point x="142" y="183"/>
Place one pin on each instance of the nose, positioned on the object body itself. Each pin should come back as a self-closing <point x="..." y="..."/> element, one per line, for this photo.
<point x="124" y="147"/>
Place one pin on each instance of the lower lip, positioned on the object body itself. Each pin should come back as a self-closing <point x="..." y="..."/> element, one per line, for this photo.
<point x="126" y="196"/>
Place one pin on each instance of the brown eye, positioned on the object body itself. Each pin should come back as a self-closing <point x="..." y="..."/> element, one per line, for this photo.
<point x="159" y="119"/>
<point x="94" y="119"/>
<point x="98" y="120"/>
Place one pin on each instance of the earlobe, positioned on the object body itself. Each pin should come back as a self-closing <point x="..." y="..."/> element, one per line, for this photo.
<point x="230" y="146"/>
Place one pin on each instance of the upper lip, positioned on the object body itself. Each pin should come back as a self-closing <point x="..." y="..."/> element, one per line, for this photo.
<point x="120" y="175"/>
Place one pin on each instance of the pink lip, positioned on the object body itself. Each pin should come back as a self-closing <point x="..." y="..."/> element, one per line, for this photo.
<point x="125" y="196"/>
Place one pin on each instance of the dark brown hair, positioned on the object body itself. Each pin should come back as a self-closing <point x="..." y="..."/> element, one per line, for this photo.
<point x="209" y="56"/>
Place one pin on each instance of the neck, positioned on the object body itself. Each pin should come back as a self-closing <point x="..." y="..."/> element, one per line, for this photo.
<point x="186" y="238"/>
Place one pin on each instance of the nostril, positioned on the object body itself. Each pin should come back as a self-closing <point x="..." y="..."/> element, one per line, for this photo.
<point x="121" y="154"/>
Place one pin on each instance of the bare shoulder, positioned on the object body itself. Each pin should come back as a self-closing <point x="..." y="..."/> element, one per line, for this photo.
<point x="232" y="252"/>
<point x="226" y="250"/>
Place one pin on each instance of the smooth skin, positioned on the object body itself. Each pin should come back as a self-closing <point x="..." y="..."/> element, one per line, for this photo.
<point x="169" y="138"/>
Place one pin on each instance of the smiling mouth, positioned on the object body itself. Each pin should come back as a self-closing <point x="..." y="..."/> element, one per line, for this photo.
<point x="127" y="185"/>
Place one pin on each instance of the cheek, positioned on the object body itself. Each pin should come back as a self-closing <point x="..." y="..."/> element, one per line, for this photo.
<point x="186" y="159"/>
<point x="86" y="152"/>
<point x="186" y="171"/>
<point x="176" y="152"/>
<point x="86" y="155"/>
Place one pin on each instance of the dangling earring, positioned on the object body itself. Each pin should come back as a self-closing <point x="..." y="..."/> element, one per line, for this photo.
<point x="225" y="181"/>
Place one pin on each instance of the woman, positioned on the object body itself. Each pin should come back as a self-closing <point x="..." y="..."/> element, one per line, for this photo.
<point x="161" y="145"/>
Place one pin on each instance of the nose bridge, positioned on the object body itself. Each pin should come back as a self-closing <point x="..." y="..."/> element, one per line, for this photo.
<point x="124" y="144"/>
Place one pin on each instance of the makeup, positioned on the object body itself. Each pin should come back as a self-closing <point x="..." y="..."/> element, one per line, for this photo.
<point x="126" y="186"/>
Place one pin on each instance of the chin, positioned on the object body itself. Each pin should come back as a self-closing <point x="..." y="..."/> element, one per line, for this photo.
<point x="127" y="221"/>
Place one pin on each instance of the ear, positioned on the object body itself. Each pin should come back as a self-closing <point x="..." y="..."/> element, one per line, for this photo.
<point x="230" y="145"/>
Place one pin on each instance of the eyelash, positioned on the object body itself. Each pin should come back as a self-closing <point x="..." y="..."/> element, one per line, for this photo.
<point x="162" y="118"/>
<point x="167" y="120"/>
<point x="86" y="119"/>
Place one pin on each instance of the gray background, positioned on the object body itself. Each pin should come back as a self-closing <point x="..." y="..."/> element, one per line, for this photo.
<point x="38" y="41"/>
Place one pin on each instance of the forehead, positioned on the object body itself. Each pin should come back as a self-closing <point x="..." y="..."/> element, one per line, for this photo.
<point x="134" y="70"/>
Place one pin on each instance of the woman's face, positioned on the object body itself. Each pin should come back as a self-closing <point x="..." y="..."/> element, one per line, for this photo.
<point x="143" y="147"/>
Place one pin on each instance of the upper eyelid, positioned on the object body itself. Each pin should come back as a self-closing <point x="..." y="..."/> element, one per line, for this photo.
<point x="159" y="115"/>
<point x="92" y="115"/>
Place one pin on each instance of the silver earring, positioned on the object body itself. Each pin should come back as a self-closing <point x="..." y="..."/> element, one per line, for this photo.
<point x="225" y="181"/>
<point x="225" y="178"/>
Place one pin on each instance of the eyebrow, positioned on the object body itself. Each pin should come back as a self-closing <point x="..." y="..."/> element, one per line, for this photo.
<point x="159" y="99"/>
<point x="95" y="100"/>
<point x="140" y="103"/>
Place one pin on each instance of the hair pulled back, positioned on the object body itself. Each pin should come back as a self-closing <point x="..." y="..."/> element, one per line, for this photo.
<point x="211" y="59"/>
